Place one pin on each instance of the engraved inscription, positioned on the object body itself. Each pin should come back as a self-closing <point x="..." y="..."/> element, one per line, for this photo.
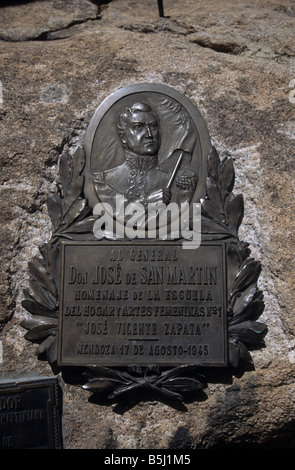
<point x="12" y="410"/>
<point x="29" y="415"/>
<point x="149" y="304"/>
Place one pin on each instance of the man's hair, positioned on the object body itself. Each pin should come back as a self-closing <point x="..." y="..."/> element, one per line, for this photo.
<point x="127" y="112"/>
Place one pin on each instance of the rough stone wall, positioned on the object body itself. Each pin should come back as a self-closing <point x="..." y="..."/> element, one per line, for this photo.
<point x="235" y="60"/>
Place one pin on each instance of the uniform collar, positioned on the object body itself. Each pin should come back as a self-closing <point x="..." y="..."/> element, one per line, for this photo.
<point x="141" y="162"/>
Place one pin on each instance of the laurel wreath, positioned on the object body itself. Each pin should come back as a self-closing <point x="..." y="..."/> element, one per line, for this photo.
<point x="72" y="219"/>
<point x="222" y="214"/>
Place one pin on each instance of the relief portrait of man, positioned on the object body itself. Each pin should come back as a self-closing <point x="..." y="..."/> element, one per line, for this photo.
<point x="140" y="178"/>
<point x="148" y="144"/>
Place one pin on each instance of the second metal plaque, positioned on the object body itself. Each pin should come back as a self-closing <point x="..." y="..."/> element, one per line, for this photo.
<point x="140" y="303"/>
<point x="31" y="413"/>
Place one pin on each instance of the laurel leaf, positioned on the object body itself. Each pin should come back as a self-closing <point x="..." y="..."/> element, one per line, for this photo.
<point x="76" y="180"/>
<point x="82" y="226"/>
<point x="52" y="349"/>
<point x="102" y="384"/>
<point x="65" y="171"/>
<point x="238" y="353"/>
<point x="245" y="355"/>
<point x="233" y="353"/>
<point x="184" y="370"/>
<point x="74" y="212"/>
<point x="214" y="194"/>
<point x="226" y="177"/>
<point x="184" y="384"/>
<point x="48" y="346"/>
<point x="213" y="164"/>
<point x="41" y="295"/>
<point x="212" y="211"/>
<point x="217" y="231"/>
<point x="54" y="209"/>
<point x="234" y="262"/>
<point x="79" y="159"/>
<point x="235" y="212"/>
<point x="247" y="275"/>
<point x="170" y="394"/>
<point x="39" y="327"/>
<point x="97" y="371"/>
<point x="255" y="309"/>
<point x="124" y="389"/>
<point x="39" y="332"/>
<point x="84" y="213"/>
<point x="39" y="321"/>
<point x="36" y="309"/>
<point x="74" y="192"/>
<point x="71" y="167"/>
<point x="41" y="275"/>
<point x="242" y="301"/>
<point x="250" y="332"/>
<point x="252" y="312"/>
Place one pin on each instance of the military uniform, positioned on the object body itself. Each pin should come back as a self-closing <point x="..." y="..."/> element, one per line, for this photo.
<point x="135" y="179"/>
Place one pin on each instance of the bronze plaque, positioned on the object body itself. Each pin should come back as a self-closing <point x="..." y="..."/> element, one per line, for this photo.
<point x="144" y="303"/>
<point x="118" y="298"/>
<point x="30" y="414"/>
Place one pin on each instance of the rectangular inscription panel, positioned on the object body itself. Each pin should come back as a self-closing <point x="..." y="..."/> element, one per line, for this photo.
<point x="137" y="303"/>
<point x="30" y="414"/>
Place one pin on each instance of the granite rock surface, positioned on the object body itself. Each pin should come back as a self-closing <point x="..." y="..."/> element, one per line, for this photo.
<point x="235" y="60"/>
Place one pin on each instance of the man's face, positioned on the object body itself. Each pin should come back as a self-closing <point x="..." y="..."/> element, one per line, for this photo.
<point x="142" y="133"/>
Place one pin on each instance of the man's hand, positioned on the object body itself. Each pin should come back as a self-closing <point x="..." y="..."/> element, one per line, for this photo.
<point x="161" y="195"/>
